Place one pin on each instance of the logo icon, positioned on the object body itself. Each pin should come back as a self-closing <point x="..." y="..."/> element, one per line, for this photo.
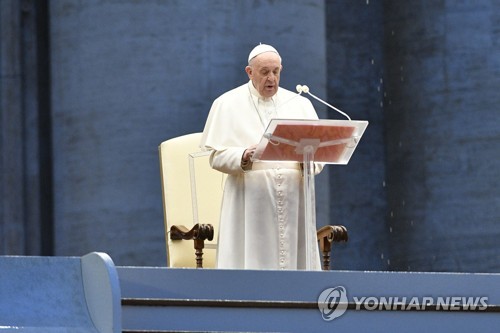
<point x="332" y="303"/>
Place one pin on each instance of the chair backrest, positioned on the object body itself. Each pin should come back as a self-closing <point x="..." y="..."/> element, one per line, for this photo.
<point x="192" y="193"/>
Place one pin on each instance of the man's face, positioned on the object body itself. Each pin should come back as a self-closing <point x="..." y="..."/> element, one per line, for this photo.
<point x="264" y="71"/>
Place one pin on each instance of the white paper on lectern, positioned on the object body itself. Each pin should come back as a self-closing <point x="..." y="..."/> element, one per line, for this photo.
<point x="336" y="139"/>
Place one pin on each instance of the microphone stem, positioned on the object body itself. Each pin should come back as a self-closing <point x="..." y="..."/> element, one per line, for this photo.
<point x="333" y="107"/>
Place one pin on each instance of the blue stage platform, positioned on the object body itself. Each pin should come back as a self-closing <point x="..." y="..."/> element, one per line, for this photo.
<point x="90" y="294"/>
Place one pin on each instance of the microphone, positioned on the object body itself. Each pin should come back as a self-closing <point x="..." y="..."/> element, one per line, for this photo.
<point x="301" y="89"/>
<point x="305" y="89"/>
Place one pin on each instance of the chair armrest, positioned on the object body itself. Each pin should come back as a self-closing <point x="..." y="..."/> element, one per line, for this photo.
<point x="198" y="232"/>
<point x="326" y="236"/>
<point x="333" y="233"/>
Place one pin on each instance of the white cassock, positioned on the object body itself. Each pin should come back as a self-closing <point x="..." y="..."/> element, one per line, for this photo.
<point x="262" y="215"/>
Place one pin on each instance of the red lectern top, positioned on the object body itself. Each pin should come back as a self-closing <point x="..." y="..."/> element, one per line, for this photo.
<point x="334" y="141"/>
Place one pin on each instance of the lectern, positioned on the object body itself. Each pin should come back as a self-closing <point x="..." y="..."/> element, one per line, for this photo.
<point x="305" y="140"/>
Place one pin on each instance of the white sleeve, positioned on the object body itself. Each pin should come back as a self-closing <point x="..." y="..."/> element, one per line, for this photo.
<point x="227" y="160"/>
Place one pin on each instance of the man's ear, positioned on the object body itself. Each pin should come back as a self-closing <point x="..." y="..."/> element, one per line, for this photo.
<point x="248" y="69"/>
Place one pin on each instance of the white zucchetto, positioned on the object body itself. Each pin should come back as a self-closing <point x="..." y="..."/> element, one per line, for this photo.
<point x="261" y="48"/>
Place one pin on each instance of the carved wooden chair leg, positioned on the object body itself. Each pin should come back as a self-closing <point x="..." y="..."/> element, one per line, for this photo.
<point x="326" y="248"/>
<point x="199" y="244"/>
<point x="199" y="233"/>
<point x="326" y="236"/>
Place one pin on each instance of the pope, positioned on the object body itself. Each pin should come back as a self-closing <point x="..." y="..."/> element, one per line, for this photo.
<point x="262" y="215"/>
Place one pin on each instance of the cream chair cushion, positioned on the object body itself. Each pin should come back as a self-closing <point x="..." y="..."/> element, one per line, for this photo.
<point x="192" y="193"/>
